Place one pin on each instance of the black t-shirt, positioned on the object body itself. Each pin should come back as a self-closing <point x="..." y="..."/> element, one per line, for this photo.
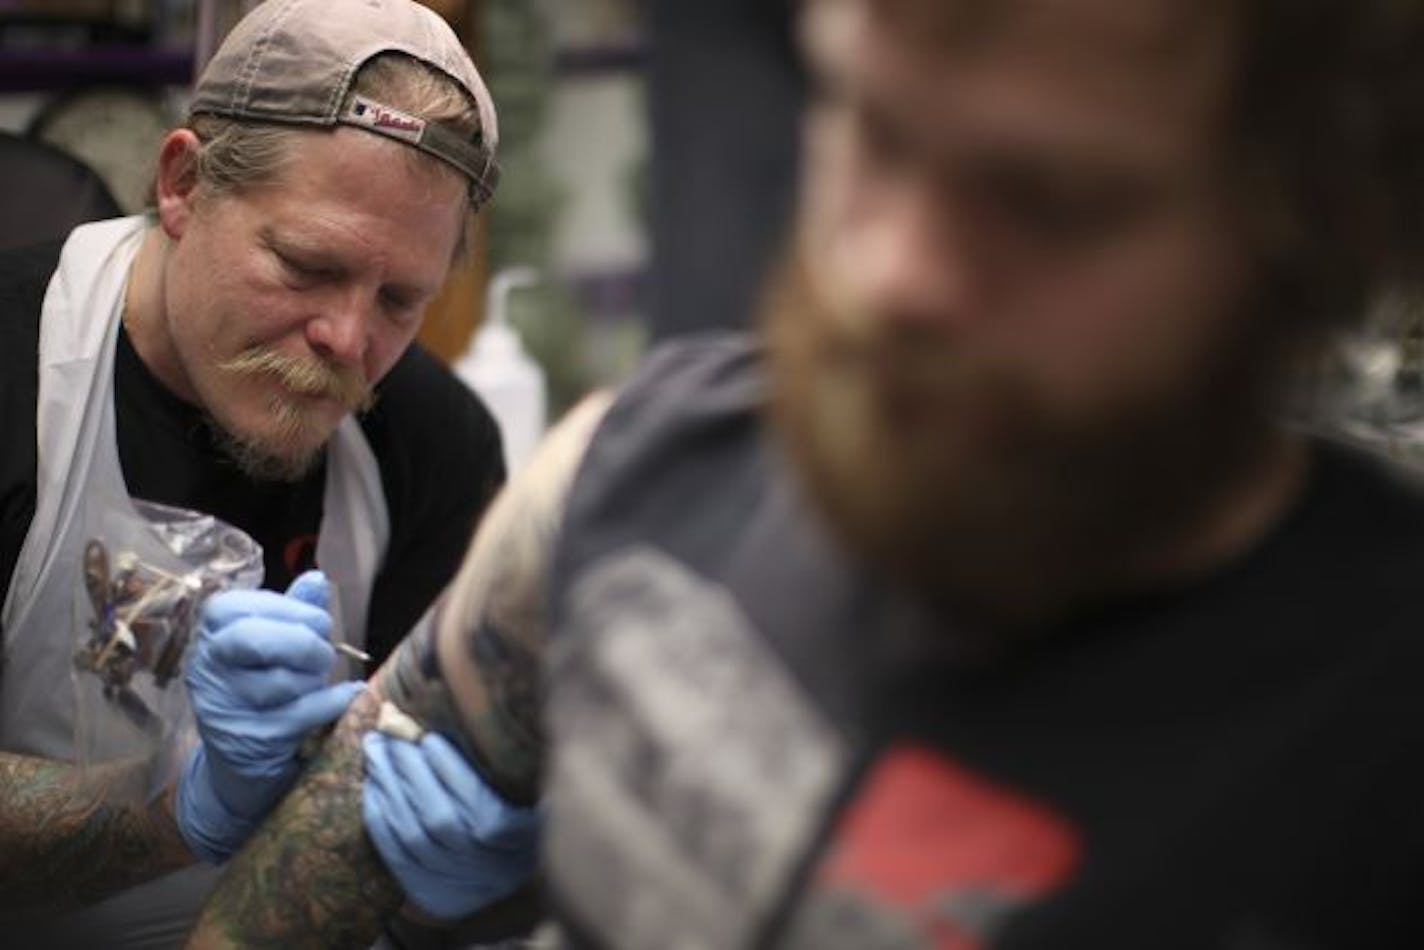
<point x="1235" y="762"/>
<point x="437" y="447"/>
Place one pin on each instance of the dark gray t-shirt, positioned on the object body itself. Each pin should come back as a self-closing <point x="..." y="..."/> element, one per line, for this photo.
<point x="755" y="744"/>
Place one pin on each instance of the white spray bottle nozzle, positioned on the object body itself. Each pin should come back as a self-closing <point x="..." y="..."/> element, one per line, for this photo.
<point x="501" y="286"/>
<point x="497" y="368"/>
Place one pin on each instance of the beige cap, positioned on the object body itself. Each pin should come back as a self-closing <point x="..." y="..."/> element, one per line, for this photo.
<point x="293" y="61"/>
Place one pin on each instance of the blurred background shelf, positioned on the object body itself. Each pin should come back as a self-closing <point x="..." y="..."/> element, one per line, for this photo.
<point x="103" y="79"/>
<point x="573" y="62"/>
<point x="39" y="70"/>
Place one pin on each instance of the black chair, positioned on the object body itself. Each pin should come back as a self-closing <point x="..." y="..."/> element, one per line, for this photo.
<point x="46" y="192"/>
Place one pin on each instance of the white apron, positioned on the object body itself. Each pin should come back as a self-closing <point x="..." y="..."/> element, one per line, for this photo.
<point x="80" y="489"/>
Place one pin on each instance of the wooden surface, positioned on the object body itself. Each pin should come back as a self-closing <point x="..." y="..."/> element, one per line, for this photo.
<point x="458" y="311"/>
<point x="454" y="315"/>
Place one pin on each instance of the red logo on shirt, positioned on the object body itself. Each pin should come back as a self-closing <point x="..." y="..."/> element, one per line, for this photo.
<point x="299" y="554"/>
<point x="939" y="852"/>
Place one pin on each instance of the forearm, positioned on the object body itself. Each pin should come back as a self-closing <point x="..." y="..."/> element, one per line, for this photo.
<point x="309" y="877"/>
<point x="491" y="625"/>
<point x="69" y="837"/>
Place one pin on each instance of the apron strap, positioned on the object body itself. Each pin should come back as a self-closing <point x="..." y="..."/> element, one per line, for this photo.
<point x="355" y="528"/>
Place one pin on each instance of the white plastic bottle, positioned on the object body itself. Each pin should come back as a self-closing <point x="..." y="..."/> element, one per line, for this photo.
<point x="502" y="374"/>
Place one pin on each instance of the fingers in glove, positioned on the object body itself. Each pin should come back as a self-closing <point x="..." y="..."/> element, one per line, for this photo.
<point x="497" y="823"/>
<point x="268" y="687"/>
<point x="388" y="808"/>
<point x="228" y="606"/>
<point x="401" y="786"/>
<point x="377" y="816"/>
<point x="321" y="707"/>
<point x="249" y="738"/>
<point x="311" y="587"/>
<point x="262" y="642"/>
<point x="442" y="815"/>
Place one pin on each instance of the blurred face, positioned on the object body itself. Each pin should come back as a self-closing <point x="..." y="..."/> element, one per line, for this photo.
<point x="284" y="303"/>
<point x="1010" y="353"/>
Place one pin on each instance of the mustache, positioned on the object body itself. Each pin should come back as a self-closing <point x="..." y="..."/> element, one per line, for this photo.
<point x="840" y="336"/>
<point x="309" y="376"/>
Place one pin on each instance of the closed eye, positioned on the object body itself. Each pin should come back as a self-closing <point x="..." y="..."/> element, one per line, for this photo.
<point x="1064" y="209"/>
<point x="401" y="306"/>
<point x="306" y="271"/>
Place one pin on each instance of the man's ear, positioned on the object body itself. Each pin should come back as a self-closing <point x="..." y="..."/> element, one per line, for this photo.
<point x="177" y="182"/>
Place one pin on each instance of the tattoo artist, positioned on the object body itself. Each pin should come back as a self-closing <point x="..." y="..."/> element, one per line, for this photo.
<point x="245" y="350"/>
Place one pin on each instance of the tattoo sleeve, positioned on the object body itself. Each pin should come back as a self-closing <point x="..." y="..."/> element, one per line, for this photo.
<point x="309" y="877"/>
<point x="470" y="670"/>
<point x="490" y="625"/>
<point x="69" y="837"/>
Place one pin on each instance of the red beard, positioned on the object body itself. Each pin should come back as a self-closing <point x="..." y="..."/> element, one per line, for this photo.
<point x="955" y="475"/>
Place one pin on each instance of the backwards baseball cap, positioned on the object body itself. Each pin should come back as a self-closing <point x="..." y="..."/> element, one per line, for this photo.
<point x="293" y="62"/>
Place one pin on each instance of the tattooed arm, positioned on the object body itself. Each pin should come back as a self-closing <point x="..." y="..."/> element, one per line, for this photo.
<point x="69" y="837"/>
<point x="310" y="877"/>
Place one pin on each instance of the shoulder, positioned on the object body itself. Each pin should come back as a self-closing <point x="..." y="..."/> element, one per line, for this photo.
<point x="1365" y="598"/>
<point x="27" y="269"/>
<point x="25" y="274"/>
<point x="722" y="370"/>
<point x="681" y="456"/>
<point x="1355" y="555"/>
<point x="705" y="386"/>
<point x="1368" y="506"/>
<point x="24" y="277"/>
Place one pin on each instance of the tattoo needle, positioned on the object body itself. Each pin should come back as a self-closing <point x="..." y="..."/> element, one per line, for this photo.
<point x="352" y="652"/>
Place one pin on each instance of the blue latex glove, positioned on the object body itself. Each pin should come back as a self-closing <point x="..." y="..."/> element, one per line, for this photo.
<point x="257" y="681"/>
<point x="450" y="841"/>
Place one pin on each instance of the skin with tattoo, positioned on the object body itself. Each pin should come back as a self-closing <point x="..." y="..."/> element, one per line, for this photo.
<point x="312" y="846"/>
<point x="73" y="836"/>
<point x="491" y="633"/>
<point x="310" y="877"/>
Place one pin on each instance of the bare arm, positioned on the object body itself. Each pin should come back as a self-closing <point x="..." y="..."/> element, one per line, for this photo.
<point x="69" y="837"/>
<point x="310" y="877"/>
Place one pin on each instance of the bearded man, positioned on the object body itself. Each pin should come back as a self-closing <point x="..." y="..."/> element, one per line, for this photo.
<point x="983" y="601"/>
<point x="244" y="351"/>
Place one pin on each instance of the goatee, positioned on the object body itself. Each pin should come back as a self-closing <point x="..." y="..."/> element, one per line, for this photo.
<point x="291" y="445"/>
<point x="956" y="476"/>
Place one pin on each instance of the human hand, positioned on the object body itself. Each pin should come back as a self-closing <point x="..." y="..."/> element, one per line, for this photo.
<point x="257" y="680"/>
<point x="450" y="841"/>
